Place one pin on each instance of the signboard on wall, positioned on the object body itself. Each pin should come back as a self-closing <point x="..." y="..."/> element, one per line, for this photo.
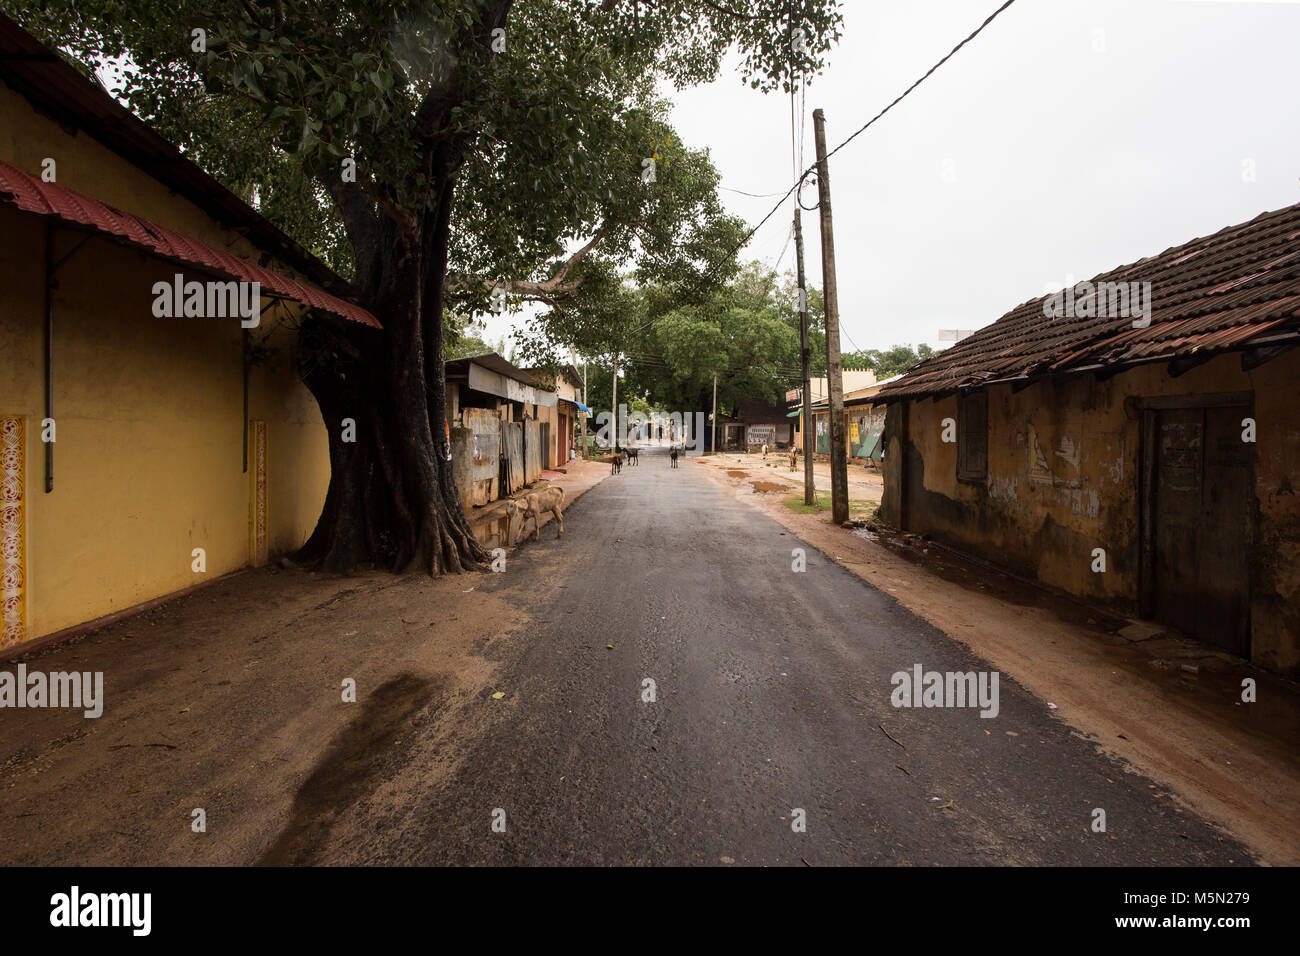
<point x="761" y="434"/>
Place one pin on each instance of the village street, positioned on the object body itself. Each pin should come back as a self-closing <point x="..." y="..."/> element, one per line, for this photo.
<point x="771" y="696"/>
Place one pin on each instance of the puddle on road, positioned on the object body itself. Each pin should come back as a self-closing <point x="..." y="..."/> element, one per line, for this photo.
<point x="494" y="533"/>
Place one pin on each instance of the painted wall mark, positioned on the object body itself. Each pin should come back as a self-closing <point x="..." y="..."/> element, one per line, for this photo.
<point x="257" y="527"/>
<point x="1040" y="472"/>
<point x="13" y="528"/>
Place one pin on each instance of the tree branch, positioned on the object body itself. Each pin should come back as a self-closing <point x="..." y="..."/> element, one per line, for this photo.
<point x="554" y="291"/>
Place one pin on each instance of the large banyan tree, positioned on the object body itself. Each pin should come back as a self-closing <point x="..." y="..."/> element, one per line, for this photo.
<point x="439" y="153"/>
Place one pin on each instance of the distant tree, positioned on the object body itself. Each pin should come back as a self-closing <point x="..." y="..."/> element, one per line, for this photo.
<point x="747" y="332"/>
<point x="891" y="362"/>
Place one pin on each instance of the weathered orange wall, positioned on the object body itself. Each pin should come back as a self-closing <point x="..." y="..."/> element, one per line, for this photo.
<point x="1048" y="528"/>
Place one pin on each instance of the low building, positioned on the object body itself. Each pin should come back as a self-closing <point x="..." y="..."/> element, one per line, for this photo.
<point x="499" y="423"/>
<point x="565" y="415"/>
<point x="1142" y="457"/>
<point x="144" y="449"/>
<point x="851" y="380"/>
<point x="864" y="424"/>
<point x="763" y="424"/>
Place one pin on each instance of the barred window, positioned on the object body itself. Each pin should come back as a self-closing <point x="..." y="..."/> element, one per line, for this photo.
<point x="973" y="436"/>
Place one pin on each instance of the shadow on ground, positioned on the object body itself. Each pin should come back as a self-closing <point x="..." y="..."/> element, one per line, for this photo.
<point x="349" y="769"/>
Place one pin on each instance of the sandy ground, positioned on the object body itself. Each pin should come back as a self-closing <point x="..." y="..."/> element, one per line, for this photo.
<point x="230" y="699"/>
<point x="1170" y="708"/>
<point x="865" y="484"/>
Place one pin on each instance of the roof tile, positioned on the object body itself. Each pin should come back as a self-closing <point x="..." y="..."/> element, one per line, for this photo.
<point x="1217" y="293"/>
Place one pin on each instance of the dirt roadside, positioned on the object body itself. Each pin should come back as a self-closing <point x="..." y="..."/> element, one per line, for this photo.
<point x="1166" y="709"/>
<point x="865" y="484"/>
<point x="231" y="700"/>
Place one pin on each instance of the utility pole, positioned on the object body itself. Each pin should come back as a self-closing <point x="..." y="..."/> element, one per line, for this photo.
<point x="834" y="364"/>
<point x="715" y="413"/>
<point x="614" y="445"/>
<point x="809" y="483"/>
<point x="584" y="414"/>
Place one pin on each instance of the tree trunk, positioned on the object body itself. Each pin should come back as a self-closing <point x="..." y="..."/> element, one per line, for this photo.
<point x="391" y="502"/>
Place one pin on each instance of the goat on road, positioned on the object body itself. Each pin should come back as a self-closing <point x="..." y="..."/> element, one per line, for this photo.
<point x="534" y="505"/>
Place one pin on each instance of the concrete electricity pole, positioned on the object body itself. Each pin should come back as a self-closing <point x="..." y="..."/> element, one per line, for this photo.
<point x="615" y="443"/>
<point x="584" y="414"/>
<point x="715" y="413"/>
<point x="834" y="365"/>
<point x="809" y="484"/>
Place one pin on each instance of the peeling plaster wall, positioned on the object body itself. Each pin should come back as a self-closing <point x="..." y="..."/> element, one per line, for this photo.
<point x="1063" y="479"/>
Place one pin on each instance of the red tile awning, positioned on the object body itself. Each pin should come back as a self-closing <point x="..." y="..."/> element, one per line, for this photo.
<point x="30" y="194"/>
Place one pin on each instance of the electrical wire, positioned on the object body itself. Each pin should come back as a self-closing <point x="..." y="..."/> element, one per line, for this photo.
<point x="754" y="195"/>
<point x="869" y="123"/>
<point x="862" y="129"/>
<point x="784" y="249"/>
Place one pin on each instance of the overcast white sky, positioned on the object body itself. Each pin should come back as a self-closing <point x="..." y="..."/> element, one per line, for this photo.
<point x="1072" y="136"/>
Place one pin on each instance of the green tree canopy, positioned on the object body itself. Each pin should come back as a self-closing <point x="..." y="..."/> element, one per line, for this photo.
<point x="890" y="362"/>
<point x="489" y="138"/>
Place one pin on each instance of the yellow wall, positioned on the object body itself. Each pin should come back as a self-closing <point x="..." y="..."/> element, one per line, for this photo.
<point x="1048" y="528"/>
<point x="149" y="412"/>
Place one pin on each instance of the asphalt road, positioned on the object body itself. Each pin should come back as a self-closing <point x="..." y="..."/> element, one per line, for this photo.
<point x="772" y="696"/>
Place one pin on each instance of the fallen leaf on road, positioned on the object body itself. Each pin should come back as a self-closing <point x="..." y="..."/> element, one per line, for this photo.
<point x="610" y="646"/>
<point x="498" y="695"/>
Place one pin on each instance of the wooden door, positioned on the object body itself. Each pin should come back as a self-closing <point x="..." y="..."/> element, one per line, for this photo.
<point x="1201" y="511"/>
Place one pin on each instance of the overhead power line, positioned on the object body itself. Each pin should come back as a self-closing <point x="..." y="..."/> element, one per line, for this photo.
<point x="754" y="195"/>
<point x="867" y="125"/>
<point x="862" y="129"/>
